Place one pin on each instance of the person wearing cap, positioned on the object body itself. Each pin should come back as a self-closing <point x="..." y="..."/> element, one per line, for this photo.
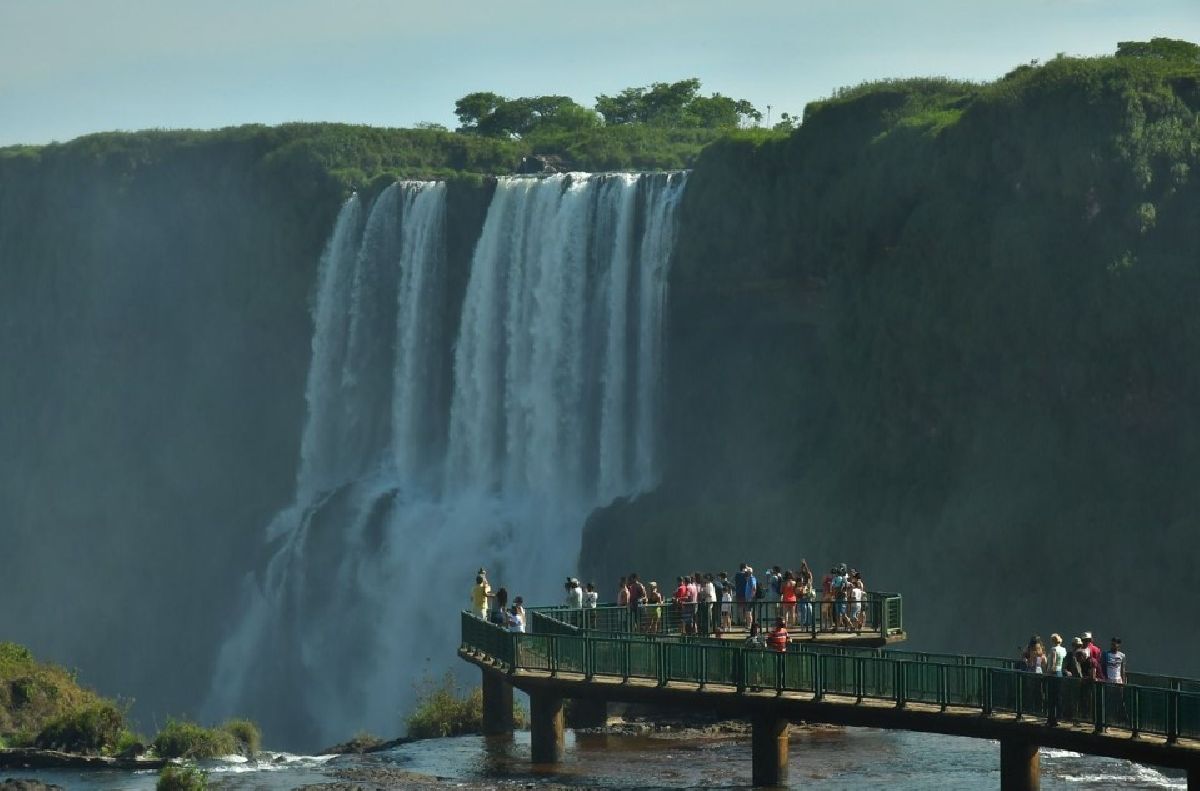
<point x="1094" y="654"/>
<point x="654" y="603"/>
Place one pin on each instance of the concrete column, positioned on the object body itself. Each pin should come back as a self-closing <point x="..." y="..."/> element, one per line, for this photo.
<point x="587" y="713"/>
<point x="497" y="704"/>
<point x="1020" y="766"/>
<point x="769" y="743"/>
<point x="546" y="728"/>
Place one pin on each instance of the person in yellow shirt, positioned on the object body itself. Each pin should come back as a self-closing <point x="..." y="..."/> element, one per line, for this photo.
<point x="480" y="593"/>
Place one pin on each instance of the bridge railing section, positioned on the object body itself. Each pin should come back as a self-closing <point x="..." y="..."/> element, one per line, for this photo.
<point x="881" y="614"/>
<point x="1164" y="708"/>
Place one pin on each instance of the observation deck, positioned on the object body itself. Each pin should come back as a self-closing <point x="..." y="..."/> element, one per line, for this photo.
<point x="604" y="655"/>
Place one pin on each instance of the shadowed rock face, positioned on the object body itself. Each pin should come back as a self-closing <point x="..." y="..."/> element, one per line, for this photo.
<point x="942" y="340"/>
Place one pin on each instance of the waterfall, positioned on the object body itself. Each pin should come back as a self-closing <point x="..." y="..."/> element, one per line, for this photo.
<point x="403" y="491"/>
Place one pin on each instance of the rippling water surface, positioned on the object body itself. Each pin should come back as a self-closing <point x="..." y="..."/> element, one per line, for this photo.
<point x="851" y="758"/>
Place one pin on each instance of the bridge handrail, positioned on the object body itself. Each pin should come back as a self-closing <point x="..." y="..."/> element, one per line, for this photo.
<point x="1163" y="710"/>
<point x="883" y="615"/>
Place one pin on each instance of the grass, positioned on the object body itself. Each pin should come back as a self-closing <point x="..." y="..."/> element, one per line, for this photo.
<point x="184" y="739"/>
<point x="445" y="709"/>
<point x="181" y="778"/>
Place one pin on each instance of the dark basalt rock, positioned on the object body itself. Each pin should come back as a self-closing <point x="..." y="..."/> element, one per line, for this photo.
<point x="27" y="785"/>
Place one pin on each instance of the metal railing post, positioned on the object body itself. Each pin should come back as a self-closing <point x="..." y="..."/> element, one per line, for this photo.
<point x="900" y="682"/>
<point x="1098" y="707"/>
<point x="1173" y="713"/>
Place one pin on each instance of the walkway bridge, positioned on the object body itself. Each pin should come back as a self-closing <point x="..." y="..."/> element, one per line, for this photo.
<point x="1152" y="719"/>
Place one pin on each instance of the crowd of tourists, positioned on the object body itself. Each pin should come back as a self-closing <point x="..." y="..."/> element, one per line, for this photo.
<point x="1084" y="659"/>
<point x="765" y="604"/>
<point x="716" y="603"/>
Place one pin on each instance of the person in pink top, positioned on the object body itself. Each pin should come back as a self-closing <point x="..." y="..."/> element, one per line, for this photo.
<point x="787" y="594"/>
<point x="1094" y="652"/>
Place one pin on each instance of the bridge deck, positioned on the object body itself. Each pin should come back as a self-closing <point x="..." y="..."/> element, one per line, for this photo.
<point x="1155" y="721"/>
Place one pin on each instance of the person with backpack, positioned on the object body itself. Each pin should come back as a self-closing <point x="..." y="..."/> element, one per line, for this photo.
<point x="739" y="592"/>
<point x="749" y="592"/>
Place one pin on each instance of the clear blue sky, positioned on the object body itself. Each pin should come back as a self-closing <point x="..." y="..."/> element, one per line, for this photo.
<point x="69" y="67"/>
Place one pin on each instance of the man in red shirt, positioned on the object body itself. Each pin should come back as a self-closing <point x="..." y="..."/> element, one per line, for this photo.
<point x="777" y="640"/>
<point x="1094" y="652"/>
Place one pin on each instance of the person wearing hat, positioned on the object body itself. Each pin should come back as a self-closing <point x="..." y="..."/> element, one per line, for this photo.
<point x="1093" y="654"/>
<point x="654" y="603"/>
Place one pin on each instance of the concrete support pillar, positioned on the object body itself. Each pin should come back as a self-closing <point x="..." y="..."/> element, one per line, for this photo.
<point x="587" y="713"/>
<point x="546" y="728"/>
<point x="497" y="704"/>
<point x="1020" y="766"/>
<point x="769" y="743"/>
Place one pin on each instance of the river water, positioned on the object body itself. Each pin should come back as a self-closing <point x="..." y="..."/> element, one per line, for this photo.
<point x="825" y="758"/>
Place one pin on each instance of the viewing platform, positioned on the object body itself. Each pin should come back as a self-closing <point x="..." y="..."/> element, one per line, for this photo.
<point x="617" y="658"/>
<point x="881" y="624"/>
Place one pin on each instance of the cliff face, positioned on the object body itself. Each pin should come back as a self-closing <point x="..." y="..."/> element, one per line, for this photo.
<point x="155" y="344"/>
<point x="945" y="333"/>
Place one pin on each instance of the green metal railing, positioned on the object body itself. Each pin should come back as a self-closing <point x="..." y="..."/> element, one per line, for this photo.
<point x="882" y="614"/>
<point x="1162" y="705"/>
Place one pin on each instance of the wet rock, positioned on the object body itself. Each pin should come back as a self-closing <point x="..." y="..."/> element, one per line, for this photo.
<point x="27" y="785"/>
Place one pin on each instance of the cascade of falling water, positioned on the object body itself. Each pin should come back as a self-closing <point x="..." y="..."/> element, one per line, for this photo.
<point x="400" y="496"/>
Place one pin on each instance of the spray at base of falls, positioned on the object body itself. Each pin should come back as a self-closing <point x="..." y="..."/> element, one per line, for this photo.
<point x="405" y="489"/>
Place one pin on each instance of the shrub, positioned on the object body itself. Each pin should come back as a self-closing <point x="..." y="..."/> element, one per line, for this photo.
<point x="88" y="729"/>
<point x="246" y="734"/>
<point x="446" y="710"/>
<point x="181" y="778"/>
<point x="183" y="739"/>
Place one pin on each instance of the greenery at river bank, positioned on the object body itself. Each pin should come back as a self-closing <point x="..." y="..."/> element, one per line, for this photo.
<point x="42" y="705"/>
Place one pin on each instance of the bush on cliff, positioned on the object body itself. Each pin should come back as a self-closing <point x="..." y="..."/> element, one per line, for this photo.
<point x="43" y="704"/>
<point x="93" y="728"/>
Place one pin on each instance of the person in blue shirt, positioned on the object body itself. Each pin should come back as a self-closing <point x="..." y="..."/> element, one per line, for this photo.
<point x="750" y="585"/>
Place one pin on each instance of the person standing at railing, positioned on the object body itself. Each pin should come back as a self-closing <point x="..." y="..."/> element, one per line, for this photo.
<point x="857" y="592"/>
<point x="725" y="594"/>
<point x="739" y="592"/>
<point x="1058" y="655"/>
<point x="1113" y="662"/>
<point x="788" y="597"/>
<point x="623" y="593"/>
<point x="637" y="604"/>
<point x="805" y="593"/>
<point x="706" y="593"/>
<point x="516" y="620"/>
<point x="654" y="603"/>
<point x="480" y="593"/>
<point x="574" y="594"/>
<point x="827" y="599"/>
<point x="686" y="606"/>
<point x="749" y="591"/>
<point x="590" y="600"/>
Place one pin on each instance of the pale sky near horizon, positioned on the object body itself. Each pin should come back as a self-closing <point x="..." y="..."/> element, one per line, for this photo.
<point x="70" y="67"/>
